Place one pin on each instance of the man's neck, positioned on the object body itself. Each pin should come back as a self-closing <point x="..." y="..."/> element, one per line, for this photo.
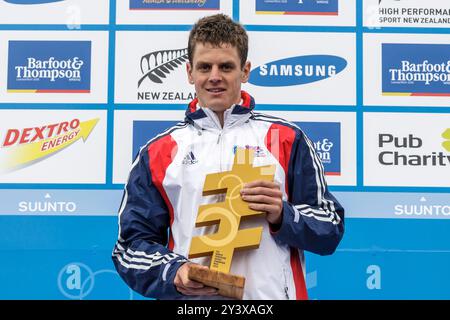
<point x="220" y="114"/>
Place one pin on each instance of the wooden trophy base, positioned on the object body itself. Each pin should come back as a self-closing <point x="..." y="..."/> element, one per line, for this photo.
<point x="229" y="285"/>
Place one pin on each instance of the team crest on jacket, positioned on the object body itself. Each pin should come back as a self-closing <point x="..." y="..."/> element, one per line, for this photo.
<point x="190" y="159"/>
<point x="259" y="152"/>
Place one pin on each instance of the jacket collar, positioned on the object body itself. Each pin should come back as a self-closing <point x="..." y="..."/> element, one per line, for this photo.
<point x="205" y="118"/>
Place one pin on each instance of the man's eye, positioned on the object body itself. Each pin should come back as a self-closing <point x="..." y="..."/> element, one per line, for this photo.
<point x="203" y="68"/>
<point x="227" y="67"/>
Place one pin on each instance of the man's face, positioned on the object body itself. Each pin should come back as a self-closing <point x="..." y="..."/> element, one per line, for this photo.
<point x="217" y="75"/>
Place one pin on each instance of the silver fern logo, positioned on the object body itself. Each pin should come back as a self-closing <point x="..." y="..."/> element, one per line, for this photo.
<point x="157" y="65"/>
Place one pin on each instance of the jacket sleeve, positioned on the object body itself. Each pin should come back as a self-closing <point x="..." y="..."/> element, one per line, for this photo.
<point x="140" y="255"/>
<point x="313" y="219"/>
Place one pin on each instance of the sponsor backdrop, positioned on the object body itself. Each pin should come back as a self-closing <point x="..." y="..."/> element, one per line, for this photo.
<point x="83" y="84"/>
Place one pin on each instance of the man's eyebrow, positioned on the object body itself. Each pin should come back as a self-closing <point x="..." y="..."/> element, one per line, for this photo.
<point x="202" y="62"/>
<point x="227" y="63"/>
<point x="209" y="63"/>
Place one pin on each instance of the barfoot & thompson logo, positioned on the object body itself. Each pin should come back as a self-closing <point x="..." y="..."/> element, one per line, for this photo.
<point x="24" y="147"/>
<point x="156" y="67"/>
<point x="416" y="69"/>
<point x="326" y="137"/>
<point x="297" y="7"/>
<point x="49" y="66"/>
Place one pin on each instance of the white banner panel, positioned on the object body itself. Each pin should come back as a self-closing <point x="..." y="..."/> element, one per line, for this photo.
<point x="151" y="67"/>
<point x="411" y="13"/>
<point x="336" y="148"/>
<point x="52" y="146"/>
<point x="406" y="149"/>
<point x="168" y="12"/>
<point x="54" y="66"/>
<point x="72" y="13"/>
<point x="298" y="13"/>
<point x="128" y="139"/>
<point x="315" y="68"/>
<point x="406" y="69"/>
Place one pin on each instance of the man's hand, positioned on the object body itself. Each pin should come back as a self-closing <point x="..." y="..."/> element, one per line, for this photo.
<point x="189" y="287"/>
<point x="264" y="196"/>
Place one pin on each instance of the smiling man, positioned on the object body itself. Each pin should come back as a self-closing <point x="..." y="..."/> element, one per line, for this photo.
<point x="164" y="189"/>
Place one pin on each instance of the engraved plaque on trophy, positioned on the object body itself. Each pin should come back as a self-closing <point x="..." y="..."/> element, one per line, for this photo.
<point x="228" y="215"/>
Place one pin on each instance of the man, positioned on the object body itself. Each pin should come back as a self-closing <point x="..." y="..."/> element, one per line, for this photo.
<point x="164" y="189"/>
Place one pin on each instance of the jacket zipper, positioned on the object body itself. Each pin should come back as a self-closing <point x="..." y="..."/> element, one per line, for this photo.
<point x="286" y="287"/>
<point x="219" y="142"/>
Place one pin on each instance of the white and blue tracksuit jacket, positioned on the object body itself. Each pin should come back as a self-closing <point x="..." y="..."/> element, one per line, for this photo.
<point x="164" y="191"/>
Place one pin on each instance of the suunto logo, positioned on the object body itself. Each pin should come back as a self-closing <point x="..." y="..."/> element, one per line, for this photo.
<point x="158" y="64"/>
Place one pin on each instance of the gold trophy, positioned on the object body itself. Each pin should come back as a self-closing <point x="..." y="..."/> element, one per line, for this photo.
<point x="228" y="214"/>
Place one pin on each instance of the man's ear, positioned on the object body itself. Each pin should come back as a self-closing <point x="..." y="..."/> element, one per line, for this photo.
<point x="246" y="72"/>
<point x="189" y="73"/>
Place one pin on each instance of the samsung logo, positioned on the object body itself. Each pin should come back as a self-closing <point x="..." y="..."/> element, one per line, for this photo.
<point x="297" y="70"/>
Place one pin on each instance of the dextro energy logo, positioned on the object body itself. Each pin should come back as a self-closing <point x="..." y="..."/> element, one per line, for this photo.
<point x="23" y="147"/>
<point x="416" y="69"/>
<point x="407" y="151"/>
<point x="49" y="67"/>
<point x="297" y="7"/>
<point x="156" y="67"/>
<point x="297" y="70"/>
<point x="174" y="4"/>
<point x="326" y="137"/>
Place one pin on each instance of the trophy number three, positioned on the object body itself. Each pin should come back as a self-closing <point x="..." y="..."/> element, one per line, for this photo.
<point x="228" y="214"/>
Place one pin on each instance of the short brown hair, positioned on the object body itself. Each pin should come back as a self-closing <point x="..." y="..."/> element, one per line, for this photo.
<point x="217" y="30"/>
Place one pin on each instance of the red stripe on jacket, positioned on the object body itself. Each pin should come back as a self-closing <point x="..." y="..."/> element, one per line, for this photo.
<point x="279" y="141"/>
<point x="161" y="154"/>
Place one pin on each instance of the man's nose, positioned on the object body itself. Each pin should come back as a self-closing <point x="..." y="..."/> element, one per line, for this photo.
<point x="215" y="75"/>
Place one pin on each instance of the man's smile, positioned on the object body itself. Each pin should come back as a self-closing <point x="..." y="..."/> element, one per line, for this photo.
<point x="215" y="90"/>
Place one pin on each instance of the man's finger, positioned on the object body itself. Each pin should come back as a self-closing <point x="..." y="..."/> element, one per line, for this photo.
<point x="188" y="283"/>
<point x="263" y="191"/>
<point x="262" y="183"/>
<point x="260" y="199"/>
<point x="263" y="207"/>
